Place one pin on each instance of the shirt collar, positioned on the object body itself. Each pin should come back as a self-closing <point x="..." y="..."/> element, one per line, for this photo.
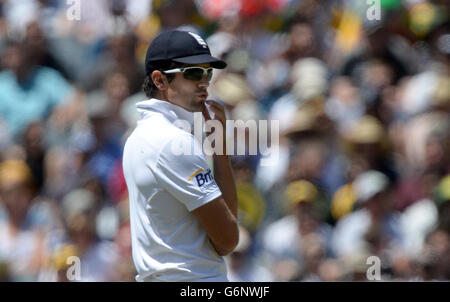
<point x="171" y="111"/>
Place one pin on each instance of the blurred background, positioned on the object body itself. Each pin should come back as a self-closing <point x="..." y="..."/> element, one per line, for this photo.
<point x="363" y="106"/>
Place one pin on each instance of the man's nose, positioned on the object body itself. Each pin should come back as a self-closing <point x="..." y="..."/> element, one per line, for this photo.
<point x="203" y="83"/>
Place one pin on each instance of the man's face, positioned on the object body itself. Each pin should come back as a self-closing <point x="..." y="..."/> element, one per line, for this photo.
<point x="189" y="94"/>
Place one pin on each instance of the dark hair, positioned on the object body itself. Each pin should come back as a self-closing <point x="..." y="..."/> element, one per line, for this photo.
<point x="149" y="87"/>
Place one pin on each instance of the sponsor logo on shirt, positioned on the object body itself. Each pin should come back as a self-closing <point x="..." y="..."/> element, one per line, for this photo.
<point x="202" y="177"/>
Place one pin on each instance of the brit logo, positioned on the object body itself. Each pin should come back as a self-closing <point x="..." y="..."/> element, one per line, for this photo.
<point x="202" y="176"/>
<point x="199" y="40"/>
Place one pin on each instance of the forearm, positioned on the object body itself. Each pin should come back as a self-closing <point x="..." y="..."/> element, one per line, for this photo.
<point x="224" y="177"/>
<point x="223" y="172"/>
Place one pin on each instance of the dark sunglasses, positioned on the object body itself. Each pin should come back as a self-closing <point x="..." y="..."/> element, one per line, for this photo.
<point x="193" y="73"/>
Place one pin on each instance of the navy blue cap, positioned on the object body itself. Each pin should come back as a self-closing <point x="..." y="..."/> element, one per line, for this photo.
<point x="180" y="47"/>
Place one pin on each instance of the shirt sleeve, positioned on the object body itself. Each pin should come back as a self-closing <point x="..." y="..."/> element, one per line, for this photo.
<point x="186" y="176"/>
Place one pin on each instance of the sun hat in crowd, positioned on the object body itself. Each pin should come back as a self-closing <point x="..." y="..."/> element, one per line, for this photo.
<point x="369" y="184"/>
<point x="301" y="191"/>
<point x="13" y="172"/>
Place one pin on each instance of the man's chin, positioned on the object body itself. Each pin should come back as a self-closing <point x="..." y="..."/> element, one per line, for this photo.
<point x="198" y="107"/>
<point x="193" y="107"/>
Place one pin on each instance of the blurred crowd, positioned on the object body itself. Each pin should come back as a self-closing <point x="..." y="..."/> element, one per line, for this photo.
<point x="363" y="108"/>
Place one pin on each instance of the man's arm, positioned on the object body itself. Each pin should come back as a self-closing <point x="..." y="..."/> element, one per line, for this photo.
<point x="223" y="172"/>
<point x="219" y="217"/>
<point x="224" y="177"/>
<point x="220" y="225"/>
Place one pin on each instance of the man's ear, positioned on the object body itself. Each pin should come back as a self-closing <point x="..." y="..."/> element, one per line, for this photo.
<point x="159" y="79"/>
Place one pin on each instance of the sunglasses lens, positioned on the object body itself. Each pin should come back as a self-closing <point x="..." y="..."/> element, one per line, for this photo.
<point x="210" y="74"/>
<point x="196" y="74"/>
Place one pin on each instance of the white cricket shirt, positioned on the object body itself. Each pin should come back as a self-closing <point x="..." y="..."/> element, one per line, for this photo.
<point x="168" y="242"/>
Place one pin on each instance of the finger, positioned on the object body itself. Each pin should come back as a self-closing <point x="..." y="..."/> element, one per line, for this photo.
<point x="218" y="114"/>
<point x="217" y="108"/>
<point x="206" y="113"/>
<point x="215" y="105"/>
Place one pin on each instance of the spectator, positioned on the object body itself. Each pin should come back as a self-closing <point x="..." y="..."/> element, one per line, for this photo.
<point x="29" y="92"/>
<point x="285" y="242"/>
<point x="26" y="222"/>
<point x="97" y="257"/>
<point x="373" y="228"/>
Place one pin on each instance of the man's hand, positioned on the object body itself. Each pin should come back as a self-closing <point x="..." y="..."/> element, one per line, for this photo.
<point x="205" y="113"/>
<point x="219" y="115"/>
<point x="217" y="109"/>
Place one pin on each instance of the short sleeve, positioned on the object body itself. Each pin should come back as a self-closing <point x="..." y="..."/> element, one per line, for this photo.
<point x="187" y="176"/>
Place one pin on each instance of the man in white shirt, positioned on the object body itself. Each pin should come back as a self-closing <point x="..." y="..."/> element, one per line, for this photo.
<point x="183" y="220"/>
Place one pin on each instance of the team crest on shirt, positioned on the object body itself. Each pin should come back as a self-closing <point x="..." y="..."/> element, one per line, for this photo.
<point x="202" y="177"/>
